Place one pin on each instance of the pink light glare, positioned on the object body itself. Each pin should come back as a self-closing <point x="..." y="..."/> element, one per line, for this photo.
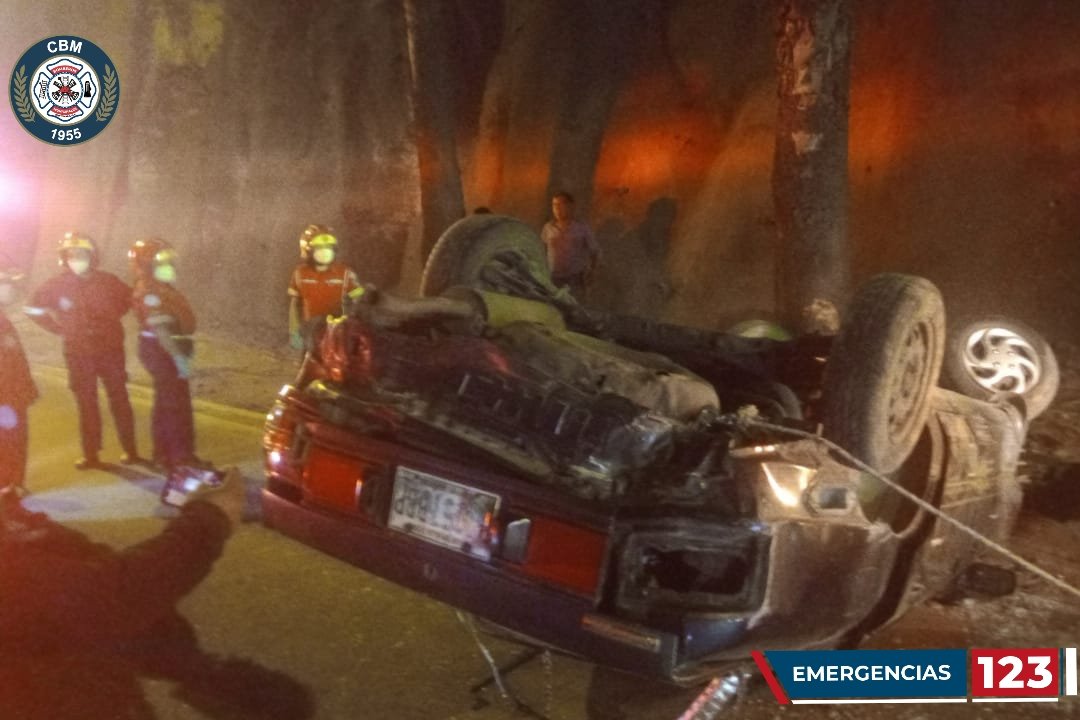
<point x="22" y="177"/>
<point x="14" y="193"/>
<point x="21" y="170"/>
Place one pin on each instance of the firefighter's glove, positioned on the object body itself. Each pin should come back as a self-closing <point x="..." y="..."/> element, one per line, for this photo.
<point x="183" y="366"/>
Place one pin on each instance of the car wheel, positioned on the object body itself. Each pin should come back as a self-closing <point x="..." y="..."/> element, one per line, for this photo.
<point x="883" y="364"/>
<point x="479" y="242"/>
<point x="989" y="356"/>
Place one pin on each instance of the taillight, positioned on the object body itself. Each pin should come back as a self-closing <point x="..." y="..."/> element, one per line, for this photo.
<point x="567" y="555"/>
<point x="336" y="480"/>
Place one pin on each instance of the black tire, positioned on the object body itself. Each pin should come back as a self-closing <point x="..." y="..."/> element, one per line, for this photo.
<point x="468" y="245"/>
<point x="883" y="364"/>
<point x="988" y="356"/>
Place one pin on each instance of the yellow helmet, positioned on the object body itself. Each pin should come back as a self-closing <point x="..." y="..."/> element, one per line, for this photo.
<point x="75" y="240"/>
<point x="145" y="254"/>
<point x="315" y="237"/>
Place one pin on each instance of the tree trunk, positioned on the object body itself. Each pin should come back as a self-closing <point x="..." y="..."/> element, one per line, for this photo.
<point x="435" y="113"/>
<point x="606" y="38"/>
<point x="810" y="181"/>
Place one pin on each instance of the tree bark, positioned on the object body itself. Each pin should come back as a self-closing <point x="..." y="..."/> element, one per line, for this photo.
<point x="607" y="38"/>
<point x="810" y="179"/>
<point x="435" y="114"/>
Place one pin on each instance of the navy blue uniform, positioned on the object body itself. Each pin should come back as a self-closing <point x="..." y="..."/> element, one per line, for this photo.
<point x="85" y="310"/>
<point x="162" y="308"/>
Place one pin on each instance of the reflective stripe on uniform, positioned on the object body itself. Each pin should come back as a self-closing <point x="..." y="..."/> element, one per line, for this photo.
<point x="152" y="334"/>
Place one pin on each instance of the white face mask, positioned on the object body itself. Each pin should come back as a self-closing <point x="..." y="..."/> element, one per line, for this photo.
<point x="165" y="274"/>
<point x="78" y="265"/>
<point x="323" y="256"/>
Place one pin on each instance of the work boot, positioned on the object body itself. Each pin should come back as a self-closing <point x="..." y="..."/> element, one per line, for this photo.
<point x="87" y="463"/>
<point x="132" y="457"/>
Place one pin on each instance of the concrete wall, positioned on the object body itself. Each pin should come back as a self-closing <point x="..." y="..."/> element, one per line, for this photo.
<point x="239" y="123"/>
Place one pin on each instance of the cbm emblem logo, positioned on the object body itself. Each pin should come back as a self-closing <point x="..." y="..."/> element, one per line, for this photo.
<point x="64" y="90"/>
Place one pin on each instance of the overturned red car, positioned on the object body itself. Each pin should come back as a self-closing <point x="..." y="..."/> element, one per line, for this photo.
<point x="655" y="498"/>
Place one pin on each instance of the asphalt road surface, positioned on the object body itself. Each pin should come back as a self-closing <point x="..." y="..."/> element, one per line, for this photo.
<point x="311" y="632"/>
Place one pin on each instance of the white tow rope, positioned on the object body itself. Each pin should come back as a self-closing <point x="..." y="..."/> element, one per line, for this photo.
<point x="996" y="547"/>
<point x="496" y="675"/>
<point x="721" y="694"/>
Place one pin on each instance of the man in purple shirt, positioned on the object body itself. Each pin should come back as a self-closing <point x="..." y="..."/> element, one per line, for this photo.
<point x="571" y="247"/>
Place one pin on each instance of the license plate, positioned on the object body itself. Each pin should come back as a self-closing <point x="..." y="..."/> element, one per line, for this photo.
<point x="443" y="512"/>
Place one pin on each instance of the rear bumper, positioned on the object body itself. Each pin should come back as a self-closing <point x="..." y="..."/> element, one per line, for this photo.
<point x="812" y="577"/>
<point x="561" y="620"/>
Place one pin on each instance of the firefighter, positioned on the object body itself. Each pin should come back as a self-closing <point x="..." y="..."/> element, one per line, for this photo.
<point x="84" y="304"/>
<point x="166" y="325"/>
<point x="318" y="285"/>
<point x="17" y="390"/>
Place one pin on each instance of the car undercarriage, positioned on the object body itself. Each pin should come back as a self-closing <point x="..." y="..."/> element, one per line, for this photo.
<point x="655" y="498"/>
